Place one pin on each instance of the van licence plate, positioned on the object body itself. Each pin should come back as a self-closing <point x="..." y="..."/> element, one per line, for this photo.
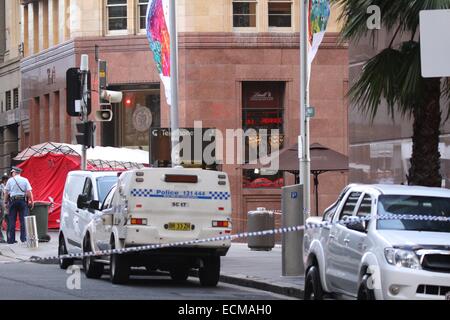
<point x="180" y="226"/>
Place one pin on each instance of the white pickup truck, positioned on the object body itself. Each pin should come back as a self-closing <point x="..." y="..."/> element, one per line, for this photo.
<point x="380" y="259"/>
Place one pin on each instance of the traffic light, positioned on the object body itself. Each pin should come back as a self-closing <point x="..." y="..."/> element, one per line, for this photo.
<point x="74" y="86"/>
<point x="86" y="132"/>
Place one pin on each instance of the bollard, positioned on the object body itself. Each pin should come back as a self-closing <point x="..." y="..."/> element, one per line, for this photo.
<point x="32" y="234"/>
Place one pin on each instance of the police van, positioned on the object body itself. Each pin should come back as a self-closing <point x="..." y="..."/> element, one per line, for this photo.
<point x="158" y="206"/>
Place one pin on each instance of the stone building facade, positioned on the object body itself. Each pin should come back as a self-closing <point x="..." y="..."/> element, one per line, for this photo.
<point x="231" y="53"/>
<point x="10" y="53"/>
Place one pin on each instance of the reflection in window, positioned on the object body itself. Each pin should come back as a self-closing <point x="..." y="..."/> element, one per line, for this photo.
<point x="280" y="13"/>
<point x="244" y="14"/>
<point x="117" y="15"/>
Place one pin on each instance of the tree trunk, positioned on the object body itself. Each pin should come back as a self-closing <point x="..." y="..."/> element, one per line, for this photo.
<point x="425" y="161"/>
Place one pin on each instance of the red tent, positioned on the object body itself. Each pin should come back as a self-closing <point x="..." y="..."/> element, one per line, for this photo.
<point x="47" y="175"/>
<point x="46" y="166"/>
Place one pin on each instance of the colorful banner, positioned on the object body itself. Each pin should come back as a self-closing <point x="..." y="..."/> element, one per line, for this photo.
<point x="319" y="14"/>
<point x="157" y="25"/>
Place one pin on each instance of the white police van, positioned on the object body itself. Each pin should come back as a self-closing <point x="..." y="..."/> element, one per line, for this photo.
<point x="84" y="191"/>
<point x="162" y="206"/>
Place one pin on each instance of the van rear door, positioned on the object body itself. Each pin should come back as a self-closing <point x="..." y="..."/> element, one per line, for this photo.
<point x="181" y="202"/>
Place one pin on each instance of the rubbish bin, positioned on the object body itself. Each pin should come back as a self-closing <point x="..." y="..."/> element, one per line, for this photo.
<point x="40" y="211"/>
<point x="261" y="220"/>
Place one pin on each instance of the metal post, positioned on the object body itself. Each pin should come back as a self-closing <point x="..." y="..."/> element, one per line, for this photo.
<point x="32" y="233"/>
<point x="84" y="101"/>
<point x="174" y="85"/>
<point x="305" y="161"/>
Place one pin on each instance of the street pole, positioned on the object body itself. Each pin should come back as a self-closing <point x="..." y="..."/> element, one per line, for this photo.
<point x="174" y="85"/>
<point x="304" y="143"/>
<point x="84" y="101"/>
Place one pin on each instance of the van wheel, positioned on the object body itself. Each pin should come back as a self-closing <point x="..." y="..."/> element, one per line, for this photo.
<point x="179" y="274"/>
<point x="209" y="274"/>
<point x="364" y="293"/>
<point x="92" y="269"/>
<point x="313" y="286"/>
<point x="62" y="250"/>
<point x="119" y="269"/>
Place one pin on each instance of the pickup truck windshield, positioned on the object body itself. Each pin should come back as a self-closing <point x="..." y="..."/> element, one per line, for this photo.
<point x="104" y="185"/>
<point x="414" y="205"/>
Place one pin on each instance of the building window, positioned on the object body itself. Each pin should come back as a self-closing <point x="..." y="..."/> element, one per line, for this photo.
<point x="117" y="15"/>
<point x="143" y="4"/>
<point x="263" y="110"/>
<point x="244" y="14"/>
<point x="8" y="100"/>
<point x="16" y="98"/>
<point x="280" y="14"/>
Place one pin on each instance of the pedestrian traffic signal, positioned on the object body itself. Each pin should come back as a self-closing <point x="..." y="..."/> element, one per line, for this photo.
<point x="74" y="92"/>
<point x="86" y="132"/>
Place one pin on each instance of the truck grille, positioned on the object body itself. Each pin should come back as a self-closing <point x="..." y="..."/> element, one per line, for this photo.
<point x="436" y="262"/>
<point x="433" y="290"/>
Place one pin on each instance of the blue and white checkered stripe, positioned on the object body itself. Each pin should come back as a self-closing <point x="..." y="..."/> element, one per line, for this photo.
<point x="220" y="195"/>
<point x="238" y="236"/>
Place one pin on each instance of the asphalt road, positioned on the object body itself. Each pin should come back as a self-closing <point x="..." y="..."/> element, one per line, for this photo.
<point x="48" y="282"/>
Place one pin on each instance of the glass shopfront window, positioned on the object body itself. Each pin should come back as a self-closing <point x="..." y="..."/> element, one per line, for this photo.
<point x="263" y="111"/>
<point x="139" y="111"/>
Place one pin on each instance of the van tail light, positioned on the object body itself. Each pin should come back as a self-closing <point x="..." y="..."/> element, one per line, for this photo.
<point x="221" y="224"/>
<point x="138" y="222"/>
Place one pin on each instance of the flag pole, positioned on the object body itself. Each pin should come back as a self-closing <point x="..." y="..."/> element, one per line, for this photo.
<point x="304" y="143"/>
<point x="174" y="124"/>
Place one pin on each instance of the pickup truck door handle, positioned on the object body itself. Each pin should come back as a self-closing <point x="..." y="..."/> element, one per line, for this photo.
<point x="347" y="241"/>
<point x="332" y="236"/>
<point x="362" y="246"/>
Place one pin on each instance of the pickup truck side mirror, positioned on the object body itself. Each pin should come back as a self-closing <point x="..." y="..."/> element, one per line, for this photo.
<point x="82" y="201"/>
<point x="357" y="226"/>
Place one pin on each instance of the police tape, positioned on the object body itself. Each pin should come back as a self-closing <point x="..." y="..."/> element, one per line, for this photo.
<point x="284" y="230"/>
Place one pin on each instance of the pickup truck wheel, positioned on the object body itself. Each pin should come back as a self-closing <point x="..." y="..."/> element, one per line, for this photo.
<point x="62" y="250"/>
<point x="209" y="274"/>
<point x="179" y="274"/>
<point x="313" y="286"/>
<point x="364" y="293"/>
<point x="92" y="269"/>
<point x="119" y="269"/>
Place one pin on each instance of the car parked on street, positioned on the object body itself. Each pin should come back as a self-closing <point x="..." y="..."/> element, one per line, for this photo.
<point x="157" y="206"/>
<point x="380" y="259"/>
<point x="86" y="187"/>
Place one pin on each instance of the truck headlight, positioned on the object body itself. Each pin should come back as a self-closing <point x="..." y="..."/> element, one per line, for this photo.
<point x="402" y="258"/>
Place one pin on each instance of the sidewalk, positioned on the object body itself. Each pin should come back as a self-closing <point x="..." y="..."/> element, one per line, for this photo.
<point x="254" y="269"/>
<point x="20" y="252"/>
<point x="260" y="270"/>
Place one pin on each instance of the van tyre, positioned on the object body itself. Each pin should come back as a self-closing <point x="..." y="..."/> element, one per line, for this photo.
<point x="62" y="250"/>
<point x="364" y="293"/>
<point x="92" y="269"/>
<point x="180" y="274"/>
<point x="313" y="286"/>
<point x="119" y="269"/>
<point x="209" y="274"/>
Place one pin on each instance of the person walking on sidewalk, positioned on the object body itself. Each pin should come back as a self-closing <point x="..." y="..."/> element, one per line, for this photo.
<point x="3" y="215"/>
<point x="19" y="196"/>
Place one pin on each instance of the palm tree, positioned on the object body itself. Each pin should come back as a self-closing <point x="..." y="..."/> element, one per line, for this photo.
<point x="394" y="74"/>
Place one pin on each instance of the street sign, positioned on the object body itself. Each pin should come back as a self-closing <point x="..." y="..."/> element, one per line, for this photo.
<point x="311" y="112"/>
<point x="435" y="43"/>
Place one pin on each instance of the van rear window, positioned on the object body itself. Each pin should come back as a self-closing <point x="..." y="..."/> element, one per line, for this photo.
<point x="178" y="178"/>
